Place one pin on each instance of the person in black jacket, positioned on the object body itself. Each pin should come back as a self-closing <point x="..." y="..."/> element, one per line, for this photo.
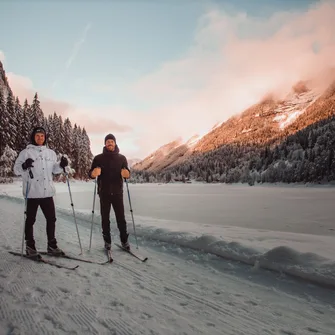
<point x="111" y="167"/>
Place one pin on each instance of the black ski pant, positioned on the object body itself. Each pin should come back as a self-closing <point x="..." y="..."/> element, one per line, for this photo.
<point x="106" y="202"/>
<point x="48" y="208"/>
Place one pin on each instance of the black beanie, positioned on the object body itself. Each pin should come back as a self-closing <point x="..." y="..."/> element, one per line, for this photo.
<point x="35" y="131"/>
<point x="110" y="137"/>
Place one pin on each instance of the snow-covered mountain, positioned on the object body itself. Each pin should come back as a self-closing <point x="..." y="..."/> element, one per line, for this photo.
<point x="267" y="121"/>
<point x="163" y="155"/>
<point x="132" y="161"/>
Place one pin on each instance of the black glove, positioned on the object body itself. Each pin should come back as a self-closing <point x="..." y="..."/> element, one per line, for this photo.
<point x="27" y="164"/>
<point x="63" y="162"/>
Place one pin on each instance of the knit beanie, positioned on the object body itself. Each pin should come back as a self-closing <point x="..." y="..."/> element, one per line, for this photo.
<point x="110" y="137"/>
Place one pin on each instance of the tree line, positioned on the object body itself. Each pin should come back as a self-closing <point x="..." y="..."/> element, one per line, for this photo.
<point x="16" y="124"/>
<point x="306" y="156"/>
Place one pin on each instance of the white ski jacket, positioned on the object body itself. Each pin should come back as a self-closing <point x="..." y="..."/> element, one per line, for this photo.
<point x="45" y="164"/>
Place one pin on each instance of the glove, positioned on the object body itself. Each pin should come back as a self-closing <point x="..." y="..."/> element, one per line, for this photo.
<point x="63" y="162"/>
<point x="96" y="172"/>
<point x="125" y="173"/>
<point x="27" y="164"/>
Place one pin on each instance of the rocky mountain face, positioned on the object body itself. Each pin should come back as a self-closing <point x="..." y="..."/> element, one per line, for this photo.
<point x="3" y="80"/>
<point x="268" y="122"/>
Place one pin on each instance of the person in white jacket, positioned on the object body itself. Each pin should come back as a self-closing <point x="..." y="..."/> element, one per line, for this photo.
<point x="37" y="164"/>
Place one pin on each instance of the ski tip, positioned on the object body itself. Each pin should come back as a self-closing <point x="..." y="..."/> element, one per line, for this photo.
<point x="145" y="259"/>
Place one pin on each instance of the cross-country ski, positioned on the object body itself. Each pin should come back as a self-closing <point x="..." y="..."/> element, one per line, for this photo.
<point x="40" y="259"/>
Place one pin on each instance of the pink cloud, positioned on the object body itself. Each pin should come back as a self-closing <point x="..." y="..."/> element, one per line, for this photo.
<point x="101" y="121"/>
<point x="23" y="88"/>
<point x="103" y="118"/>
<point x="95" y="122"/>
<point x="223" y="73"/>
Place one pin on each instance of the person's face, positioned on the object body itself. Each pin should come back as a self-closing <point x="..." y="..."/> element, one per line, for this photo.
<point x="39" y="138"/>
<point x="110" y="145"/>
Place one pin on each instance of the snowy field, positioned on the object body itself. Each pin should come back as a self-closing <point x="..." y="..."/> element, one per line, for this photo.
<point x="222" y="260"/>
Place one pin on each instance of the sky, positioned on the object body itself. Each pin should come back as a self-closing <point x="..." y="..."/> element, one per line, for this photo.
<point x="153" y="71"/>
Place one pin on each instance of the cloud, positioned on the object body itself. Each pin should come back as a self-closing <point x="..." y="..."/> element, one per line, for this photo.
<point x="97" y="120"/>
<point x="103" y="124"/>
<point x="74" y="53"/>
<point x="77" y="46"/>
<point x="234" y="62"/>
<point x="23" y="88"/>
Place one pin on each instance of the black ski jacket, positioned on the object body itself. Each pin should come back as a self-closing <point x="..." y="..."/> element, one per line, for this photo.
<point x="111" y="162"/>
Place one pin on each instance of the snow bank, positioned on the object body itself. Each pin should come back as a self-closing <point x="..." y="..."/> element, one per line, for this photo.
<point x="307" y="257"/>
<point x="308" y="266"/>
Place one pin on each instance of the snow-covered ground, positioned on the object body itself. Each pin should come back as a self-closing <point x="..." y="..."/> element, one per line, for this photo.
<point x="220" y="259"/>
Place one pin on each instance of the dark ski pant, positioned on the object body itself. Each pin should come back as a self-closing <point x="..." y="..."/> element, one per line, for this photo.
<point x="106" y="202"/>
<point x="48" y="208"/>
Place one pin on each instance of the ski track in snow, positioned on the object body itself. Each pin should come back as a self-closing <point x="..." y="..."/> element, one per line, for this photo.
<point x="169" y="294"/>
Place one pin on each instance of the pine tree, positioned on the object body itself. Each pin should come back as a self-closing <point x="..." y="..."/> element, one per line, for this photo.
<point x="76" y="151"/>
<point x="55" y="132"/>
<point x="52" y="135"/>
<point x="5" y="119"/>
<point x="58" y="134"/>
<point x="2" y="121"/>
<point x="7" y="161"/>
<point x="45" y="124"/>
<point x="25" y="125"/>
<point x="18" y="124"/>
<point x="68" y="138"/>
<point x="11" y="131"/>
<point x="80" y="153"/>
<point x="47" y="129"/>
<point x="36" y="113"/>
<point x="87" y="154"/>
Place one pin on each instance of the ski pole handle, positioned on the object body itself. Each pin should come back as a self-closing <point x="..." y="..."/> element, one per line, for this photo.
<point x="30" y="173"/>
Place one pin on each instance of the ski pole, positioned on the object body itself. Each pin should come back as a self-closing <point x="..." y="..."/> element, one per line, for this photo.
<point x="131" y="211"/>
<point x="95" y="188"/>
<point x="25" y="209"/>
<point x="74" y="215"/>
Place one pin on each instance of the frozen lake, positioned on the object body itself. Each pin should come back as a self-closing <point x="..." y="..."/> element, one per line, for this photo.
<point x="297" y="209"/>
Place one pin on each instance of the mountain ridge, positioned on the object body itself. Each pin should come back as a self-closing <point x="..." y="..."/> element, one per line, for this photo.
<point x="264" y="123"/>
